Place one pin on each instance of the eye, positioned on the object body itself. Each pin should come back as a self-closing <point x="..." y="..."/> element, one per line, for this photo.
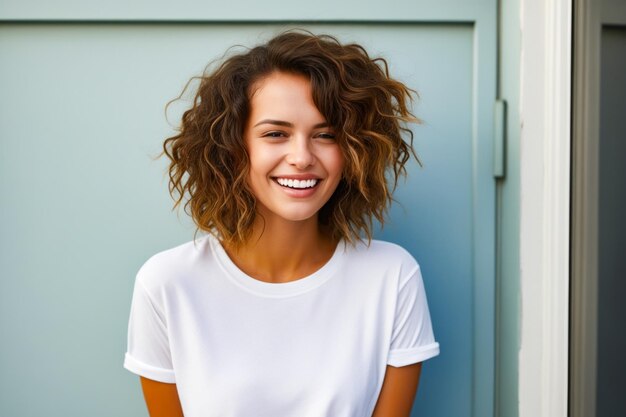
<point x="326" y="135"/>
<point x="274" y="134"/>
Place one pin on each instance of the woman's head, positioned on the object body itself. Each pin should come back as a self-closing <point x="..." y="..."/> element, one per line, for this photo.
<point x="365" y="108"/>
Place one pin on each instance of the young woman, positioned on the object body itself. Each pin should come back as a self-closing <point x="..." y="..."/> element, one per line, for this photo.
<point x="286" y="307"/>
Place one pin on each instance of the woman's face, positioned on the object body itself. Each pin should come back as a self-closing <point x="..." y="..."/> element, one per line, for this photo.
<point x="295" y="162"/>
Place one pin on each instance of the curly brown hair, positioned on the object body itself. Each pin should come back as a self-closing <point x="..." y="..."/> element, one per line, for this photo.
<point x="367" y="108"/>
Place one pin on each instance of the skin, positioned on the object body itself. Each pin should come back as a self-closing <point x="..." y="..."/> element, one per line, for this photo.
<point x="161" y="398"/>
<point x="398" y="391"/>
<point x="287" y="136"/>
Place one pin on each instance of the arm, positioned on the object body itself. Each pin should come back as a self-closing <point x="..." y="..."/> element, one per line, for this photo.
<point x="161" y="398"/>
<point x="398" y="391"/>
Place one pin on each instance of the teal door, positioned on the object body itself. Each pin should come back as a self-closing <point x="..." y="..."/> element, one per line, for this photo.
<point x="83" y="204"/>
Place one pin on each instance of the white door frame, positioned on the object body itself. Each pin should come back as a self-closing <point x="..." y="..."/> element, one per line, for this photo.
<point x="545" y="108"/>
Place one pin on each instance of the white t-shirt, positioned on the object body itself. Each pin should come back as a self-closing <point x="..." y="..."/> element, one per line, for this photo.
<point x="239" y="347"/>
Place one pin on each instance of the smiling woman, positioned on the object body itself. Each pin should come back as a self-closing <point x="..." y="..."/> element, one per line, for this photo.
<point x="286" y="307"/>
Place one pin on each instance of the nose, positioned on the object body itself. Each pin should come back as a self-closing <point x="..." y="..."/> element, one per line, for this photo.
<point x="300" y="154"/>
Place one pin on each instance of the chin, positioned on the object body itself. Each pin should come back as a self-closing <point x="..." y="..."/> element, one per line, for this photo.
<point x="296" y="215"/>
<point x="288" y="212"/>
<point x="300" y="217"/>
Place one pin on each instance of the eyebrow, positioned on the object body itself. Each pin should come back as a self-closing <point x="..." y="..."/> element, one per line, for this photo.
<point x="287" y="124"/>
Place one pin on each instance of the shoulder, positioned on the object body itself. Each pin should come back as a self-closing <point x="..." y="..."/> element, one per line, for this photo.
<point x="381" y="254"/>
<point x="382" y="251"/>
<point x="166" y="267"/>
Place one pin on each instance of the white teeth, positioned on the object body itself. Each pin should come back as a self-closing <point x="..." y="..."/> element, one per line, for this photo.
<point x="296" y="183"/>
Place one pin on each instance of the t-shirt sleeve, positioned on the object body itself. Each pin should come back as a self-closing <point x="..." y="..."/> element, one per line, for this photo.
<point x="412" y="337"/>
<point x="148" y="352"/>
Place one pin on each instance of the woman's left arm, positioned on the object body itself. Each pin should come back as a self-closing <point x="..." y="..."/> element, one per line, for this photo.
<point x="398" y="391"/>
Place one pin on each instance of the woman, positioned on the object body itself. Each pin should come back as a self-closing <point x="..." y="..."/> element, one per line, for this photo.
<point x="282" y="308"/>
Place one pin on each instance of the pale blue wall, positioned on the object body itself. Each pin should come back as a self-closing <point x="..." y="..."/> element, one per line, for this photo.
<point x="84" y="205"/>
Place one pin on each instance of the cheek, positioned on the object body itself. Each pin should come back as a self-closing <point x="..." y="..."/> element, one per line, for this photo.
<point x="262" y="163"/>
<point x="262" y="157"/>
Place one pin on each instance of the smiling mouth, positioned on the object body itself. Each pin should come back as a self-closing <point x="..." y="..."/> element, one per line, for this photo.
<point x="297" y="184"/>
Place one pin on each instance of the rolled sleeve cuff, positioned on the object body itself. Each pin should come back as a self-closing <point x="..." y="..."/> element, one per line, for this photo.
<point x="149" y="371"/>
<point x="403" y="357"/>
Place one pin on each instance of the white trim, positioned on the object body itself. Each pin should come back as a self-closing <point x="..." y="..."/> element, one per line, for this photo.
<point x="544" y="212"/>
<point x="556" y="223"/>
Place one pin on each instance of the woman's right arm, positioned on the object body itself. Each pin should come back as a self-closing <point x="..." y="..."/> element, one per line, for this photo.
<point x="161" y="398"/>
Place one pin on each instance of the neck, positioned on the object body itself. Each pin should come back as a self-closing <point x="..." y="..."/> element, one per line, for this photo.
<point x="282" y="251"/>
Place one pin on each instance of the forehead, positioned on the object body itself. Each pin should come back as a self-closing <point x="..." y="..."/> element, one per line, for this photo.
<point x="283" y="94"/>
<point x="275" y="80"/>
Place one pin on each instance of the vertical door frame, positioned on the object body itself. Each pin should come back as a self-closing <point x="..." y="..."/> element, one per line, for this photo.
<point x="585" y="159"/>
<point x="589" y="18"/>
<point x="545" y="206"/>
